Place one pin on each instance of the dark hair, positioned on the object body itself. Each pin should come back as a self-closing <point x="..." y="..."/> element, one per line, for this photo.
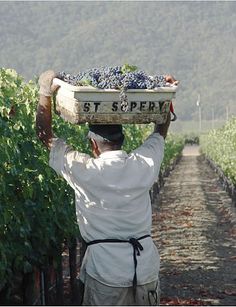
<point x="108" y="133"/>
<point x="108" y="145"/>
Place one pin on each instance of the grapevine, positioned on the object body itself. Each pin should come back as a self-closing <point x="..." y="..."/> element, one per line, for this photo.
<point x="37" y="209"/>
<point x="220" y="146"/>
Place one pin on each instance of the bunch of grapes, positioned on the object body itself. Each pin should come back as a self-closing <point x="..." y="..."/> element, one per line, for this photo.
<point x="114" y="78"/>
<point x="118" y="77"/>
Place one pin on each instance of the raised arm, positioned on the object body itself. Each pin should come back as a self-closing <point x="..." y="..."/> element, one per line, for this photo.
<point x="162" y="129"/>
<point x="44" y="110"/>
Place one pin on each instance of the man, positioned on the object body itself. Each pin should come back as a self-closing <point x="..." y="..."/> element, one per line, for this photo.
<point x="121" y="264"/>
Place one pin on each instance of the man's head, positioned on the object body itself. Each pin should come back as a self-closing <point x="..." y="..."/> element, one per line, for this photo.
<point x="105" y="138"/>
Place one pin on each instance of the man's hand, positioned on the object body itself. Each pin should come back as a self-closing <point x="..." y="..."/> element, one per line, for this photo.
<point x="171" y="79"/>
<point x="162" y="129"/>
<point x="45" y="82"/>
<point x="44" y="112"/>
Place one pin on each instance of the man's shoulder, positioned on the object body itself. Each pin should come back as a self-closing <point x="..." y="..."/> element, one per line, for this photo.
<point x="60" y="150"/>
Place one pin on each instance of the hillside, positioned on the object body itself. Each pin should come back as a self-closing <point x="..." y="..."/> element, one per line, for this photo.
<point x="194" y="41"/>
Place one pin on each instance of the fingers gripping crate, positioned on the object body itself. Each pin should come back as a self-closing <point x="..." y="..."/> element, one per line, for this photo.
<point x="81" y="104"/>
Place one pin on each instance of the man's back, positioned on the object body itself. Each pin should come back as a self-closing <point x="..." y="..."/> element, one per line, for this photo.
<point x="112" y="202"/>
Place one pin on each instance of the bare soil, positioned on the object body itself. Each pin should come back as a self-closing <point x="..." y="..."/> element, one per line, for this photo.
<point x="194" y="227"/>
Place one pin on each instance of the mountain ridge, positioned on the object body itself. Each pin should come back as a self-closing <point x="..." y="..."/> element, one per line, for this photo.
<point x="193" y="41"/>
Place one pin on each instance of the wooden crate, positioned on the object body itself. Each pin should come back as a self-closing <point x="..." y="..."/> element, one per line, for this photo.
<point x="81" y="104"/>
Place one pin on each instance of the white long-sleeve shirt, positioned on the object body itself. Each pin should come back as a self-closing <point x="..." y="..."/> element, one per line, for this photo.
<point x="113" y="202"/>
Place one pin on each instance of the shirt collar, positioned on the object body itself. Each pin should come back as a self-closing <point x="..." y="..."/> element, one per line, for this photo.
<point x="113" y="154"/>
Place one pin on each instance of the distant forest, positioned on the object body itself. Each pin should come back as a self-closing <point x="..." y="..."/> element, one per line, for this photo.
<point x="194" y="41"/>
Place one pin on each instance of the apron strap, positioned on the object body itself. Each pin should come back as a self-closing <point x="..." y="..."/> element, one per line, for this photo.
<point x="137" y="247"/>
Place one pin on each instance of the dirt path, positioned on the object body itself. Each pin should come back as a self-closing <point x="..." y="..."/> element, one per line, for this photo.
<point x="195" y="230"/>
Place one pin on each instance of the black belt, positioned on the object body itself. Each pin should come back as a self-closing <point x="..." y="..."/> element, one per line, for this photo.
<point x="137" y="247"/>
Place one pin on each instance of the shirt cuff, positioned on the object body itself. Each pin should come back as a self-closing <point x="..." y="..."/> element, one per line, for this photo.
<point x="159" y="135"/>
